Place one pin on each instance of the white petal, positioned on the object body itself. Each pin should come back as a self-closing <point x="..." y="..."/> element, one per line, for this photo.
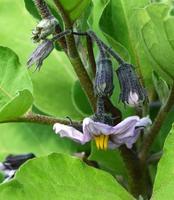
<point x="70" y="132"/>
<point x="125" y="125"/>
<point x="133" y="99"/>
<point x="130" y="134"/>
<point x="2" y="167"/>
<point x="96" y="128"/>
<point x="144" y="122"/>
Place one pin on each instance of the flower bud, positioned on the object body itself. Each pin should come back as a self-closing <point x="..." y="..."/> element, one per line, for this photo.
<point x="40" y="53"/>
<point x="132" y="93"/>
<point x="104" y="78"/>
<point x="45" y="27"/>
<point x="15" y="161"/>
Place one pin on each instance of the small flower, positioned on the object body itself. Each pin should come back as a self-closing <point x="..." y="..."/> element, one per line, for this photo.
<point x="104" y="78"/>
<point x="40" y="53"/>
<point x="132" y="93"/>
<point x="126" y="132"/>
<point x="45" y="27"/>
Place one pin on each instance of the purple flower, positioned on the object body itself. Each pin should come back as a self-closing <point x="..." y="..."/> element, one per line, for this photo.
<point x="40" y="54"/>
<point x="11" y="163"/>
<point x="106" y="136"/>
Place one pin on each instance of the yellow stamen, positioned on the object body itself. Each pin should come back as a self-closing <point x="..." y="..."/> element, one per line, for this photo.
<point x="105" y="143"/>
<point x="101" y="141"/>
<point x="97" y="141"/>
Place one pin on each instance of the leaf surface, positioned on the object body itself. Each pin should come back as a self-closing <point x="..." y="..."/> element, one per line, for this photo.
<point x="15" y="86"/>
<point x="61" y="177"/>
<point x="164" y="182"/>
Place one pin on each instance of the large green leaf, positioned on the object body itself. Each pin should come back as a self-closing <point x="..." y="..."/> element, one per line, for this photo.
<point x="61" y="177"/>
<point x="18" y="138"/>
<point x="158" y="36"/>
<point x="15" y="86"/>
<point x="53" y="84"/>
<point x="164" y="182"/>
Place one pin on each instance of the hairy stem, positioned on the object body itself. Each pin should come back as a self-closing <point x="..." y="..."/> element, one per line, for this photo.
<point x="162" y="114"/>
<point x="105" y="46"/>
<point x="98" y="42"/>
<point x="137" y="181"/>
<point x="42" y="8"/>
<point x="75" y="58"/>
<point x="91" y="54"/>
<point x="43" y="119"/>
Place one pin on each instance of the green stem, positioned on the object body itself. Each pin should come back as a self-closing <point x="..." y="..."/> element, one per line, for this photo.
<point x="162" y="114"/>
<point x="136" y="177"/>
<point x="75" y="58"/>
<point x="91" y="54"/>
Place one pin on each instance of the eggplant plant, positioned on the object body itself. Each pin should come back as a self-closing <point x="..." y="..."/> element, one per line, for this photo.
<point x="86" y="99"/>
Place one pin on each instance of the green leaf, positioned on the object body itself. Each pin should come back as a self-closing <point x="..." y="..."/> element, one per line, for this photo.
<point x="53" y="84"/>
<point x="164" y="182"/>
<point x="157" y="32"/>
<point x="19" y="138"/>
<point x="15" y="86"/>
<point x="61" y="177"/>
<point x="98" y="7"/>
<point x="32" y="9"/>
<point x="161" y="87"/>
<point x="72" y="8"/>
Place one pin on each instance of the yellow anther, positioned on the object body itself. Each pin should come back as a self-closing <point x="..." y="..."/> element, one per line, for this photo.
<point x="97" y="141"/>
<point x="101" y="141"/>
<point x="105" y="144"/>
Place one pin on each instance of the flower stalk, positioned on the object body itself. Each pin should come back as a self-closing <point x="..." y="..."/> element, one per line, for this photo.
<point x="42" y="8"/>
<point x="43" y="119"/>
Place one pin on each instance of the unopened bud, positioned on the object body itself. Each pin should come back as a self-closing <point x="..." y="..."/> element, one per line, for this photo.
<point x="132" y="93"/>
<point x="45" y="27"/>
<point x="15" y="161"/>
<point x="104" y="78"/>
<point x="41" y="52"/>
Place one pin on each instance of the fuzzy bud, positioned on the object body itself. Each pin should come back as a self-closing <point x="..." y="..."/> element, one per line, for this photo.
<point x="40" y="53"/>
<point x="45" y="27"/>
<point x="104" y="78"/>
<point x="132" y="93"/>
